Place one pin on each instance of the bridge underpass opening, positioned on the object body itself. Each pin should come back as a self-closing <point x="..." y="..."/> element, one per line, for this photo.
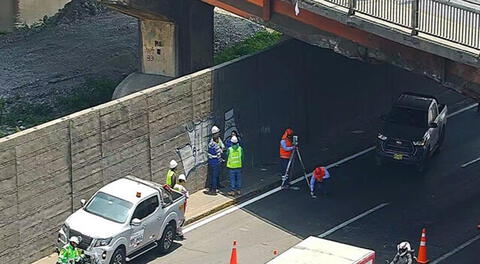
<point x="333" y="103"/>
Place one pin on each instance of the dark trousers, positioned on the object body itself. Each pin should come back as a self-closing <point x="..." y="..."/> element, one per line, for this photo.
<point x="283" y="168"/>
<point x="321" y="187"/>
<point x="214" y="176"/>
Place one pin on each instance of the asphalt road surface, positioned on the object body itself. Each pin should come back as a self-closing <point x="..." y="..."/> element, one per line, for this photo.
<point x="444" y="200"/>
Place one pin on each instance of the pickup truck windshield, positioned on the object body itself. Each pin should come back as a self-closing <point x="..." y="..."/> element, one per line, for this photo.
<point x="408" y="117"/>
<point x="109" y="207"/>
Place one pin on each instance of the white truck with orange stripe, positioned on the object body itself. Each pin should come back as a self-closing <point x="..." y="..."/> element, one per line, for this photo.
<point x="314" y="250"/>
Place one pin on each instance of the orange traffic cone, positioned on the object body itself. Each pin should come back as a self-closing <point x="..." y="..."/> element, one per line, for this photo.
<point x="233" y="257"/>
<point x="422" y="250"/>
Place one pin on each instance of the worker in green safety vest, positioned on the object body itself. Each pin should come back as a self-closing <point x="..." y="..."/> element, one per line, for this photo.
<point x="234" y="164"/>
<point x="70" y="253"/>
<point x="171" y="174"/>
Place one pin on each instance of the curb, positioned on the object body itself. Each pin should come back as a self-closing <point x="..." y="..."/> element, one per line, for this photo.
<point x="235" y="200"/>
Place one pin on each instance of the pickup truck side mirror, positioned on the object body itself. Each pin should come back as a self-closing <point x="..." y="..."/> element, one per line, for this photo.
<point x="433" y="125"/>
<point x="83" y="201"/>
<point x="136" y="222"/>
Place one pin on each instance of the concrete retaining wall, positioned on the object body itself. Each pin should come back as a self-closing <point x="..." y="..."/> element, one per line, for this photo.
<point x="45" y="171"/>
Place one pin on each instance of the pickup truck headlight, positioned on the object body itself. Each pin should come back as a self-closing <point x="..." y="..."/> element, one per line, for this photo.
<point x="103" y="242"/>
<point x="419" y="143"/>
<point x="65" y="229"/>
<point x="423" y="141"/>
<point x="381" y="137"/>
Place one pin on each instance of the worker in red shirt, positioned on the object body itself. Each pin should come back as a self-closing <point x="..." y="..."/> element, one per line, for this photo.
<point x="319" y="179"/>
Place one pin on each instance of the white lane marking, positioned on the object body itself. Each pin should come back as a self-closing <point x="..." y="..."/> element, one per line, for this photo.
<point x="239" y="206"/>
<point x="462" y="110"/>
<point x="457" y="249"/>
<point x="344" y="224"/>
<point x="470" y="162"/>
<point x="236" y="207"/>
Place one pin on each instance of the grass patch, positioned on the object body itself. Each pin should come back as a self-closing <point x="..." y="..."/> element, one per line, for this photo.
<point x="27" y="114"/>
<point x="96" y="92"/>
<point x="16" y="114"/>
<point x="259" y="41"/>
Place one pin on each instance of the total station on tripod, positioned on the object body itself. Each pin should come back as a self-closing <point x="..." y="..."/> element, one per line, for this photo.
<point x="295" y="140"/>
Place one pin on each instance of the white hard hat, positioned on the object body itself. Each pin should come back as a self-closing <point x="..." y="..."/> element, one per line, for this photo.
<point x="403" y="248"/>
<point x="215" y="129"/>
<point x="173" y="164"/>
<point x="234" y="140"/>
<point x="75" y="240"/>
<point x="182" y="177"/>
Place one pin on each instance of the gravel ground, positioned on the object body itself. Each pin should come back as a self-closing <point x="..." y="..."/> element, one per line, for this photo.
<point x="84" y="42"/>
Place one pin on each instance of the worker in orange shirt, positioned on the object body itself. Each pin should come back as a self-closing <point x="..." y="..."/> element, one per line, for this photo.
<point x="286" y="150"/>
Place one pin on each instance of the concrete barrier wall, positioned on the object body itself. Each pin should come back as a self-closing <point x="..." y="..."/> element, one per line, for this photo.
<point x="46" y="170"/>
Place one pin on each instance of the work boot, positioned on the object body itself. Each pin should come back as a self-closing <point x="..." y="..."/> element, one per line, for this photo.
<point x="238" y="192"/>
<point x="231" y="193"/>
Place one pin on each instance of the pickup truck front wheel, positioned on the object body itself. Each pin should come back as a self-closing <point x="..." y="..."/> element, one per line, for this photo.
<point x="166" y="241"/>
<point x="118" y="257"/>
<point x="422" y="165"/>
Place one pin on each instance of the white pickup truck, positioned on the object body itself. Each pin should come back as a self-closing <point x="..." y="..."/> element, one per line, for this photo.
<point x="314" y="250"/>
<point x="125" y="219"/>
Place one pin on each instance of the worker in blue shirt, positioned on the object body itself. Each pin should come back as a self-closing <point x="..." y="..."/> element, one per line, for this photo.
<point x="214" y="153"/>
<point x="319" y="179"/>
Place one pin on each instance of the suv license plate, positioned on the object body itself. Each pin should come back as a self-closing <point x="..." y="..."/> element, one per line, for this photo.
<point x="398" y="156"/>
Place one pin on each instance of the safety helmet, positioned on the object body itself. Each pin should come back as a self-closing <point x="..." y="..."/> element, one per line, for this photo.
<point x="182" y="177"/>
<point x="234" y="140"/>
<point x="403" y="248"/>
<point x="215" y="129"/>
<point x="173" y="164"/>
<point x="75" y="240"/>
<point x="319" y="173"/>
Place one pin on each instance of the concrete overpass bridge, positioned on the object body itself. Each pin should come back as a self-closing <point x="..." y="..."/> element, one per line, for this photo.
<point x="436" y="38"/>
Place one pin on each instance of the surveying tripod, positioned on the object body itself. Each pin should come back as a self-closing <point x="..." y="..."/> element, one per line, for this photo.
<point x="296" y="152"/>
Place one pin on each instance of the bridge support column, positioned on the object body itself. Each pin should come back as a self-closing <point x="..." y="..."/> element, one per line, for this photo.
<point x="176" y="36"/>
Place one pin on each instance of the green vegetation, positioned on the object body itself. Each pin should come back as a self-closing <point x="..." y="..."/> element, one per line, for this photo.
<point x="17" y="114"/>
<point x="96" y="92"/>
<point x="45" y="21"/>
<point x="257" y="42"/>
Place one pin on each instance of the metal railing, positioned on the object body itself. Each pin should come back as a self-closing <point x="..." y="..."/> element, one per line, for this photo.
<point x="438" y="18"/>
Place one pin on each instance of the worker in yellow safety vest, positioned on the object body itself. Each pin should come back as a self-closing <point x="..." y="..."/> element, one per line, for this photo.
<point x="234" y="164"/>
<point x="171" y="176"/>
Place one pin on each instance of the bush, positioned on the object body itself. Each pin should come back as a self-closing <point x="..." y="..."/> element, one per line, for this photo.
<point x="259" y="41"/>
<point x="96" y="92"/>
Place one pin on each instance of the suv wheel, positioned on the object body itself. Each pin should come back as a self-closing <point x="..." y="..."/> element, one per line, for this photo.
<point x="166" y="241"/>
<point x="118" y="257"/>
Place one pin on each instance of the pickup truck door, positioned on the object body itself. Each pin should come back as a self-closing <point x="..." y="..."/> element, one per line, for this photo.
<point x="433" y="118"/>
<point x="147" y="212"/>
